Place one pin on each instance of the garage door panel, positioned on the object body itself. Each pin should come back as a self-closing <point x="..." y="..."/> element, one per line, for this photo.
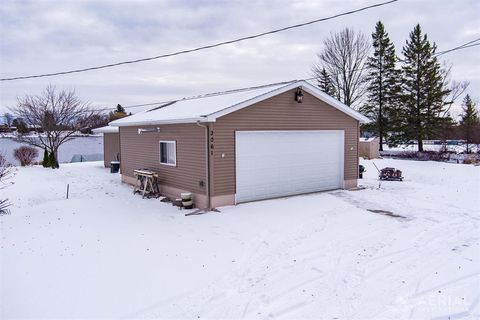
<point x="280" y="163"/>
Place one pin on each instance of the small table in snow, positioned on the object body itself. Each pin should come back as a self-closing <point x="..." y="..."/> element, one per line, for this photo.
<point x="146" y="183"/>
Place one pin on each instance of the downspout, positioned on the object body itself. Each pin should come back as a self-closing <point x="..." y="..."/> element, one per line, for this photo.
<point x="207" y="164"/>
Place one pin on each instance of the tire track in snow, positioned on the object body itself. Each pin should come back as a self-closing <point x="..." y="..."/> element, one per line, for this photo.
<point x="252" y="282"/>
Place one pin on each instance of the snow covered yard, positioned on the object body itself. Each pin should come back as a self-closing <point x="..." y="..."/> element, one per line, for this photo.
<point x="105" y="253"/>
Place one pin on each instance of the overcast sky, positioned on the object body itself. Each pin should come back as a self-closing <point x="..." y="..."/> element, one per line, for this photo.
<point x="49" y="36"/>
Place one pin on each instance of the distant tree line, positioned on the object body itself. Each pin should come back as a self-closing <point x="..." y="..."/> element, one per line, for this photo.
<point x="9" y="122"/>
<point x="407" y="99"/>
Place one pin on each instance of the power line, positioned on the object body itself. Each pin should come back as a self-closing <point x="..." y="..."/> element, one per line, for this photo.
<point x="258" y="35"/>
<point x="199" y="96"/>
<point x="463" y="46"/>
<point x="216" y="93"/>
<point x="206" y="95"/>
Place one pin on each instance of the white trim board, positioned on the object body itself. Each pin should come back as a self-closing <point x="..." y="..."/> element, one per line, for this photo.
<point x="174" y="142"/>
<point x="106" y="129"/>
<point x="314" y="91"/>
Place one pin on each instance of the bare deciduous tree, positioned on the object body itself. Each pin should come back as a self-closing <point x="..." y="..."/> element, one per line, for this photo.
<point x="8" y="119"/>
<point x="343" y="57"/>
<point x="56" y="114"/>
<point x="6" y="171"/>
<point x="456" y="89"/>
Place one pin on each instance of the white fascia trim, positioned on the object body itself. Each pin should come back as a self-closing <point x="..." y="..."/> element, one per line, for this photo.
<point x="249" y="102"/>
<point x="158" y="122"/>
<point x="316" y="92"/>
<point x="107" y="129"/>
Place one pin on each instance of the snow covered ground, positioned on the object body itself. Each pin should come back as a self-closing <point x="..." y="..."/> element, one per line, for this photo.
<point x="432" y="147"/>
<point x="105" y="253"/>
<point x="84" y="145"/>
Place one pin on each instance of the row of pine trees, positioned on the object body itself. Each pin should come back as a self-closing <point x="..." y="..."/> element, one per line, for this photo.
<point x="407" y="99"/>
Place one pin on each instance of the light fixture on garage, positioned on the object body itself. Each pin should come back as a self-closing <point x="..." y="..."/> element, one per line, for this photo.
<point x="299" y="95"/>
<point x="149" y="130"/>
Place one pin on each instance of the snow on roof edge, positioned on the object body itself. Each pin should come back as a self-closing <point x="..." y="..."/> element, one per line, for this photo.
<point x="249" y="101"/>
<point x="335" y="103"/>
<point x="106" y="129"/>
<point x="126" y="121"/>
<point x="211" y="117"/>
<point x="316" y="92"/>
<point x="156" y="122"/>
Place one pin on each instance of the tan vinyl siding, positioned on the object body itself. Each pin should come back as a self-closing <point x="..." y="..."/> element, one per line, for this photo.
<point x="111" y="147"/>
<point x="142" y="151"/>
<point x="278" y="113"/>
<point x="369" y="149"/>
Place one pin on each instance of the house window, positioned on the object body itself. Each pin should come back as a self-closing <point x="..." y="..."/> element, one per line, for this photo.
<point x="168" y="153"/>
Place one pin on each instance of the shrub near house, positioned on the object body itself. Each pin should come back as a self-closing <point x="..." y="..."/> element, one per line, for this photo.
<point x="26" y="155"/>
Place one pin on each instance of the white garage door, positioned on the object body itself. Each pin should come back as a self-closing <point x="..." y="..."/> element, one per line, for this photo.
<point x="273" y="164"/>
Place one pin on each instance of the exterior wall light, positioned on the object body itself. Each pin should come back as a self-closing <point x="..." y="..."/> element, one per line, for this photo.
<point x="299" y="95"/>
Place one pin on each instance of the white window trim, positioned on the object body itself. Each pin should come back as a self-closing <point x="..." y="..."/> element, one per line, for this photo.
<point x="160" y="152"/>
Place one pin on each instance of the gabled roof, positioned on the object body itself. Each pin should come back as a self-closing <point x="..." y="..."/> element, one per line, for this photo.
<point x="210" y="107"/>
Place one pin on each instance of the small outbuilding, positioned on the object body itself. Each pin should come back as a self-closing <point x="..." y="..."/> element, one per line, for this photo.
<point x="111" y="144"/>
<point x="245" y="145"/>
<point x="368" y="148"/>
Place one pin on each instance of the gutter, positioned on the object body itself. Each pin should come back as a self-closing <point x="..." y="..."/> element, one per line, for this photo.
<point x="154" y="122"/>
<point x="207" y="164"/>
<point x="107" y="129"/>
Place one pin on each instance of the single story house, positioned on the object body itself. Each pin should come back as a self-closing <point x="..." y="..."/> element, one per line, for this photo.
<point x="245" y="145"/>
<point x="111" y="144"/>
<point x="368" y="148"/>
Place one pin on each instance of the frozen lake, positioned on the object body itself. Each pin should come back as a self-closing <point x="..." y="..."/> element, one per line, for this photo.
<point x="80" y="145"/>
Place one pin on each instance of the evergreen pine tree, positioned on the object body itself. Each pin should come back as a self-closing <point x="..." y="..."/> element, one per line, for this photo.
<point x="118" y="113"/>
<point x="469" y="121"/>
<point x="423" y="84"/>
<point x="446" y="128"/>
<point x="325" y="83"/>
<point x="52" y="161"/>
<point x="384" y="88"/>
<point x="46" y="159"/>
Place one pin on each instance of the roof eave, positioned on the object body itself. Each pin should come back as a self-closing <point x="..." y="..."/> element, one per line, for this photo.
<point x="335" y="103"/>
<point x="106" y="129"/>
<point x="213" y="116"/>
<point x="307" y="87"/>
<point x="159" y="122"/>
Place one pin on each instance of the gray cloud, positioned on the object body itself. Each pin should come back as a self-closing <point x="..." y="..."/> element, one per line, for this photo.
<point x="48" y="36"/>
